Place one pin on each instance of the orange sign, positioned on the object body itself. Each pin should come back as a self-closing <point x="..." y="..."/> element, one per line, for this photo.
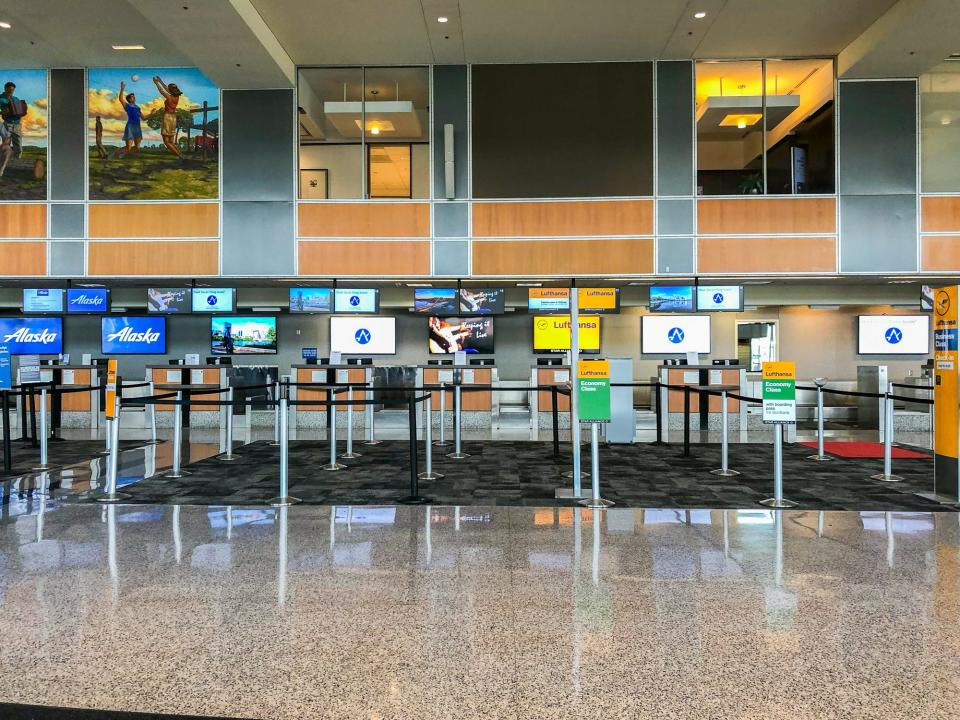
<point x="111" y="396"/>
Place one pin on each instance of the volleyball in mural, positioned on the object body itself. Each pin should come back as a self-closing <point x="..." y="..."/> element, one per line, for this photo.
<point x="23" y="135"/>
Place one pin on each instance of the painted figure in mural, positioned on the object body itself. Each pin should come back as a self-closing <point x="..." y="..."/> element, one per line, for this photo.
<point x="171" y="97"/>
<point x="132" y="134"/>
<point x="98" y="138"/>
<point x="6" y="147"/>
<point x="12" y="110"/>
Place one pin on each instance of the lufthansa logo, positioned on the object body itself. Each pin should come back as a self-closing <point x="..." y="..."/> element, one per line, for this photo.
<point x="893" y="335"/>
<point x="942" y="304"/>
<point x="362" y="336"/>
<point x="675" y="335"/>
<point x="542" y="324"/>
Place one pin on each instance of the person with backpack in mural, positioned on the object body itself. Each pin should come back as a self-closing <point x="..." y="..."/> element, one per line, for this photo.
<point x="12" y="111"/>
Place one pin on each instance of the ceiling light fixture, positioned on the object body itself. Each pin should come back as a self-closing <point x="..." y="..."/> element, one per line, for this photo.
<point x="374" y="130"/>
<point x="442" y="19"/>
<point x="5" y="25"/>
<point x="700" y="15"/>
<point x="128" y="47"/>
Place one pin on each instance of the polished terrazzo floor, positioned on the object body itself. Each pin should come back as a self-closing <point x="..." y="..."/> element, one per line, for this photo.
<point x="480" y="612"/>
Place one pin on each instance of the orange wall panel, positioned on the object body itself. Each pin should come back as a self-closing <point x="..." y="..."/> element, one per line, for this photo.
<point x="940" y="253"/>
<point x="154" y="258"/>
<point x="23" y="258"/>
<point x="23" y="221"/>
<point x="767" y="255"/>
<point x="767" y="216"/>
<point x="154" y="220"/>
<point x="374" y="219"/>
<point x="553" y="219"/>
<point x="331" y="258"/>
<point x="940" y="213"/>
<point x="620" y="256"/>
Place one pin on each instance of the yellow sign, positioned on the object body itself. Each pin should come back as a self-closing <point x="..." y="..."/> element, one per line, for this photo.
<point x="551" y="333"/>
<point x="597" y="298"/>
<point x="111" y="394"/>
<point x="945" y="368"/>
<point x="781" y="370"/>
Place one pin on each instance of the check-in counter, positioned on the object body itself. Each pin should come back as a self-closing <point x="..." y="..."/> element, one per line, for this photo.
<point x="704" y="414"/>
<point x="484" y="401"/>
<point x="328" y="374"/>
<point x="83" y="404"/>
<point x="549" y="375"/>
<point x="169" y="377"/>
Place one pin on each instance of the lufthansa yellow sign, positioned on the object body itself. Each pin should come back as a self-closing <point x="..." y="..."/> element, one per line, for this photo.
<point x="597" y="298"/>
<point x="551" y="333"/>
<point x="782" y="370"/>
<point x="946" y="360"/>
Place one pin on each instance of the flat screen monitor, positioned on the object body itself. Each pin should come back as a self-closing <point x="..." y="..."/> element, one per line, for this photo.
<point x="672" y="298"/>
<point x="27" y="336"/>
<point x="243" y="335"/>
<point x="214" y="300"/>
<point x="548" y="299"/>
<point x="363" y="335"/>
<point x="674" y="334"/>
<point x="88" y="300"/>
<point x="893" y="334"/>
<point x="719" y="298"/>
<point x="43" y="300"/>
<point x="435" y="301"/>
<point x="364" y="300"/>
<point x="128" y="335"/>
<point x="599" y="300"/>
<point x="311" y="300"/>
<point x="169" y="300"/>
<point x="551" y="333"/>
<point x="456" y="334"/>
<point x="926" y="298"/>
<point x="489" y="301"/>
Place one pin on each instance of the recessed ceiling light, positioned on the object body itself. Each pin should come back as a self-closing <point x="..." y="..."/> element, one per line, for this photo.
<point x="5" y="25"/>
<point x="442" y="19"/>
<point x="700" y="15"/>
<point x="128" y="47"/>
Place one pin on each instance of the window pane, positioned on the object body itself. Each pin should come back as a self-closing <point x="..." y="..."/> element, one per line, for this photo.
<point x="940" y="128"/>
<point x="388" y="171"/>
<point x="562" y="130"/>
<point x="800" y="126"/>
<point x="729" y="128"/>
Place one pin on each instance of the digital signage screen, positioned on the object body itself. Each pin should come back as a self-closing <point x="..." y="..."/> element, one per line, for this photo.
<point x="127" y="335"/>
<point x="363" y="335"/>
<point x="243" y="335"/>
<point x="43" y="300"/>
<point x="599" y="300"/>
<point x="364" y="300"/>
<point x="213" y="299"/>
<point x="551" y="333"/>
<point x="27" y="336"/>
<point x="672" y="298"/>
<point x="84" y="300"/>
<point x="926" y="298"/>
<point x="674" y="335"/>
<point x="311" y="300"/>
<point x="893" y="334"/>
<point x="169" y="300"/>
<point x="719" y="298"/>
<point x="548" y="299"/>
<point x="435" y="301"/>
<point x="460" y="334"/>
<point x="490" y="301"/>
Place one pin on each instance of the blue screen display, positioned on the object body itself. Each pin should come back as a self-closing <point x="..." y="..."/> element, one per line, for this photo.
<point x="672" y="298"/>
<point x="133" y="335"/>
<point x="43" y="300"/>
<point x="366" y="300"/>
<point x="86" y="300"/>
<point x="25" y="336"/>
<point x="213" y="299"/>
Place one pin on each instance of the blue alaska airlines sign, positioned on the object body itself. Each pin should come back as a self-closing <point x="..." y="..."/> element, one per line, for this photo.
<point x="86" y="300"/>
<point x="26" y="336"/>
<point x="133" y="335"/>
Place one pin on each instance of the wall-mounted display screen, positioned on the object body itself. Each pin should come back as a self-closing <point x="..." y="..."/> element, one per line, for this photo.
<point x="246" y="335"/>
<point x="363" y="336"/>
<point x="125" y="335"/>
<point x="25" y="336"/>
<point x="674" y="335"/>
<point x="169" y="300"/>
<point x="489" y="301"/>
<point x="672" y="298"/>
<point x="454" y="334"/>
<point x="926" y="298"/>
<point x="311" y="300"/>
<point x="893" y="334"/>
<point x="43" y="300"/>
<point x="364" y="300"/>
<point x="599" y="300"/>
<point x="719" y="298"/>
<point x="213" y="299"/>
<point x="435" y="301"/>
<point x="551" y="333"/>
<point x="548" y="299"/>
<point x="88" y="300"/>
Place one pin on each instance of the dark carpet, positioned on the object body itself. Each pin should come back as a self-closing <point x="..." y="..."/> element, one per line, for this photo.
<point x="526" y="473"/>
<point x="10" y="711"/>
<point x="60" y="453"/>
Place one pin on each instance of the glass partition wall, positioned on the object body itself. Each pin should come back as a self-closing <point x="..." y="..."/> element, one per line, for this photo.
<point x="940" y="128"/>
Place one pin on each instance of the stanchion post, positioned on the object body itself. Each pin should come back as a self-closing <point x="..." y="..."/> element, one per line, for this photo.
<point x="350" y="454"/>
<point x="7" y="440"/>
<point x="414" y="498"/>
<point x="428" y="474"/>
<point x="113" y="462"/>
<point x="887" y="474"/>
<point x="228" y="456"/>
<point x="457" y="453"/>
<point x="371" y="422"/>
<point x="153" y="415"/>
<point x="276" y="415"/>
<point x="658" y="412"/>
<point x="44" y="465"/>
<point x="778" y="501"/>
<point x="724" y="470"/>
<point x="284" y="498"/>
<point x="595" y="501"/>
<point x="820" y="456"/>
<point x="333" y="465"/>
<point x="442" y="442"/>
<point x="176" y="471"/>
<point x="555" y="417"/>
<point x="686" y="421"/>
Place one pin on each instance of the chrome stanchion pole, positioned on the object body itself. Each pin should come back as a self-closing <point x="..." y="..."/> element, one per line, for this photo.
<point x="176" y="471"/>
<point x="887" y="474"/>
<point x="457" y="453"/>
<point x="153" y="416"/>
<point x="284" y="498"/>
<point x="820" y="456"/>
<point x="595" y="501"/>
<point x="44" y="465"/>
<point x="443" y="416"/>
<point x="332" y="434"/>
<point x="724" y="470"/>
<point x="113" y="462"/>
<point x="371" y="438"/>
<point x="276" y="415"/>
<point x="429" y="474"/>
<point x="228" y="456"/>
<point x="350" y="454"/>
<point x="778" y="501"/>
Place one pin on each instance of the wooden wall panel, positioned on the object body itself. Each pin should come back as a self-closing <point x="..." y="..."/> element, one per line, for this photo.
<point x="23" y="221"/>
<point x="154" y="220"/>
<point x="767" y="255"/>
<point x="374" y="219"/>
<point x="154" y="258"/>
<point x="547" y="376"/>
<point x="23" y="258"/>
<point x="940" y="213"/>
<point x="766" y="216"/>
<point x="620" y="256"/>
<point x="333" y="258"/>
<point x="940" y="253"/>
<point x="558" y="219"/>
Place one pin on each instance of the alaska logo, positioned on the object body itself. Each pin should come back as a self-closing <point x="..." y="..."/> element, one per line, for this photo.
<point x="23" y="335"/>
<point x="87" y="300"/>
<point x="129" y="335"/>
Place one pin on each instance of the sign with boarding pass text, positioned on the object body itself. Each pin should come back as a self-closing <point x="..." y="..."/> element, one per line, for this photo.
<point x="593" y="390"/>
<point x="5" y="378"/>
<point x="111" y="394"/>
<point x="779" y="385"/>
